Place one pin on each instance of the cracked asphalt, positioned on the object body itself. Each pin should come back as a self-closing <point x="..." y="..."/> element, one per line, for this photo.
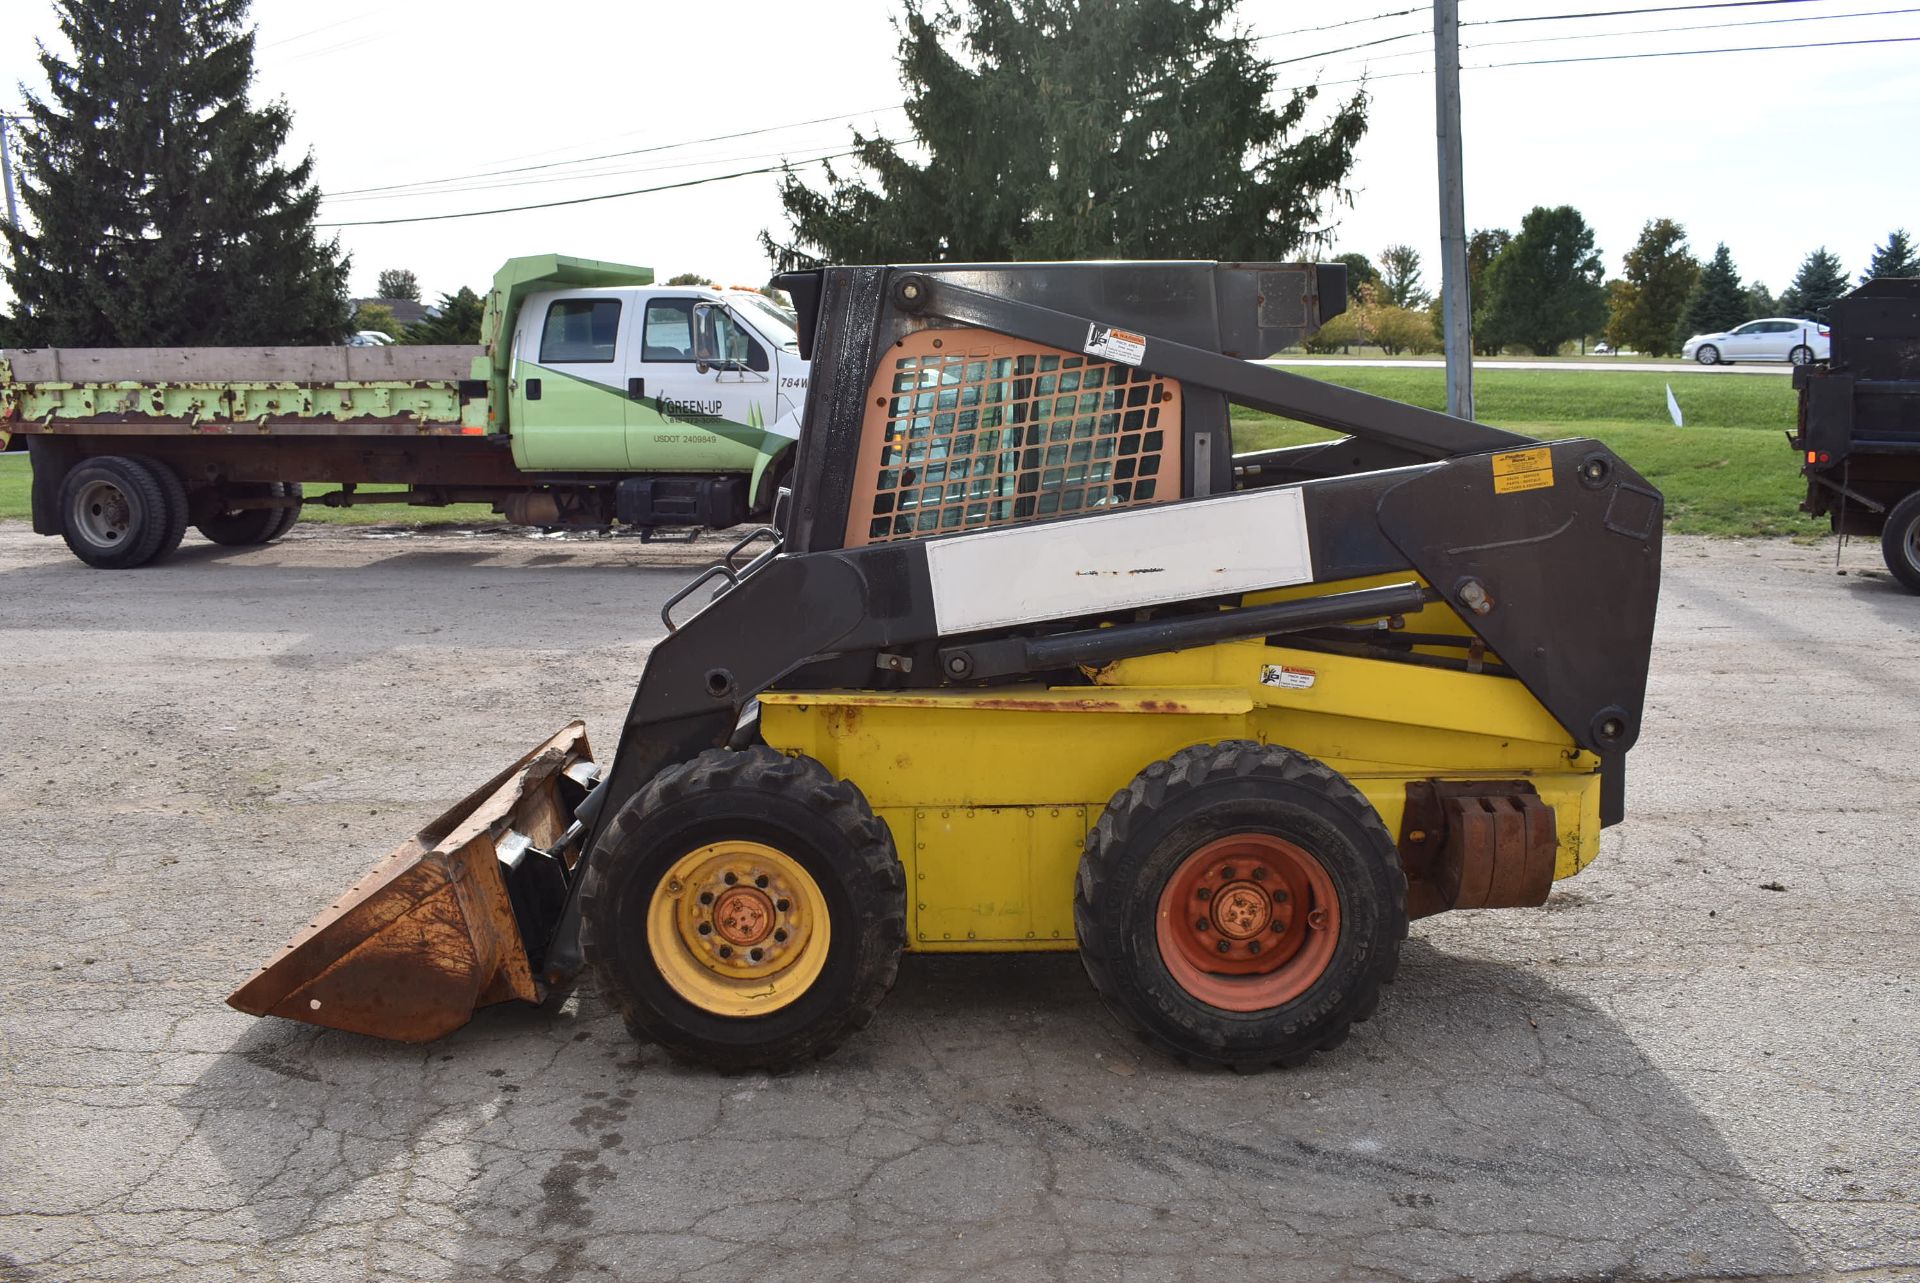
<point x="1698" y="1061"/>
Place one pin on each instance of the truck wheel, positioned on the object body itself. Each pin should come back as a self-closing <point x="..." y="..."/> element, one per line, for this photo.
<point x="175" y="492"/>
<point x="289" y="517"/>
<point x="113" y="512"/>
<point x="1240" y="904"/>
<point x="244" y="527"/>
<point x="745" y="910"/>
<point x="1900" y="541"/>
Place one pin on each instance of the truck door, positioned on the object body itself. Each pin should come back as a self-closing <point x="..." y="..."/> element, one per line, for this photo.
<point x="570" y="396"/>
<point x="698" y="416"/>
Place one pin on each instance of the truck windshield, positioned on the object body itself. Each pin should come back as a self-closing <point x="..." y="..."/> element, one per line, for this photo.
<point x="779" y="324"/>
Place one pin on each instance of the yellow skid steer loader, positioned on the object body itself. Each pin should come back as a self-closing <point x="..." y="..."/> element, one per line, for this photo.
<point x="1032" y="660"/>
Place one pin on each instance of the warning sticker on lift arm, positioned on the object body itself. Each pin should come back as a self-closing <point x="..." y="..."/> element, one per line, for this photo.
<point x="1116" y="345"/>
<point x="1290" y="678"/>
<point x="1522" y="470"/>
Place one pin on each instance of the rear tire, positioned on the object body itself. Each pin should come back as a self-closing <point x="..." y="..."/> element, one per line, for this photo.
<point x="113" y="512"/>
<point x="1707" y="354"/>
<point x="1900" y="541"/>
<point x="175" y="491"/>
<point x="246" y="527"/>
<point x="289" y="517"/>
<point x="1240" y="904"/>
<point x="656" y="917"/>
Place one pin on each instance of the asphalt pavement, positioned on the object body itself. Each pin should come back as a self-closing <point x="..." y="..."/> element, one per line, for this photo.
<point x="1696" y="1062"/>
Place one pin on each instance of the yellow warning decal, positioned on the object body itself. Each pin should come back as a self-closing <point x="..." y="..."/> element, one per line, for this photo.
<point x="1522" y="470"/>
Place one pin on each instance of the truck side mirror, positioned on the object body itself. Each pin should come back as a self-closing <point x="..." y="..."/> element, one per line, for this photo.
<point x="705" y="350"/>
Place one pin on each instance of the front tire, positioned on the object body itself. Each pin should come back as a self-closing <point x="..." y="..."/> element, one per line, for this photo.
<point x="1900" y="541"/>
<point x="745" y="910"/>
<point x="1801" y="354"/>
<point x="1707" y="354"/>
<point x="113" y="512"/>
<point x="1240" y="904"/>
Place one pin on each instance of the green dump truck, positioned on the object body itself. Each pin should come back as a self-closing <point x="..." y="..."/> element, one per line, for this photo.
<point x="594" y="397"/>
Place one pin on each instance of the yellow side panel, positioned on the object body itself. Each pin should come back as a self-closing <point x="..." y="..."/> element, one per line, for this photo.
<point x="998" y="877"/>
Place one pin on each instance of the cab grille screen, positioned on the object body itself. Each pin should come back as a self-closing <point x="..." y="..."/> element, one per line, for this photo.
<point x="967" y="429"/>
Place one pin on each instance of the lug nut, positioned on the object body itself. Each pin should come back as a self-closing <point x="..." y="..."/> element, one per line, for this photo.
<point x="761" y="882"/>
<point x="1259" y="874"/>
<point x="780" y="935"/>
<point x="706" y="928"/>
<point x="1200" y="924"/>
<point x="731" y="879"/>
<point x="1205" y="893"/>
<point x="1227" y="873"/>
<point x="706" y="897"/>
<point x="754" y="954"/>
<point x="782" y="905"/>
<point x="1279" y="895"/>
<point x="1223" y="946"/>
<point x="1253" y="946"/>
<point x="726" y="951"/>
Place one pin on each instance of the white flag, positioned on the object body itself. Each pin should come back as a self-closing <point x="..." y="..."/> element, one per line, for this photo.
<point x="1673" y="408"/>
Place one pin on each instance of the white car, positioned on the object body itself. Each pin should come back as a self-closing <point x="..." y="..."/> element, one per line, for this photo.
<point x="369" y="338"/>
<point x="1771" y="338"/>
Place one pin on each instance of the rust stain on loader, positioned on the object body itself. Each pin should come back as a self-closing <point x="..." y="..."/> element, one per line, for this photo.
<point x="428" y="935"/>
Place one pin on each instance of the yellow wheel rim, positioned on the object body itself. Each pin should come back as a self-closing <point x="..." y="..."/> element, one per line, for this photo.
<point x="738" y="928"/>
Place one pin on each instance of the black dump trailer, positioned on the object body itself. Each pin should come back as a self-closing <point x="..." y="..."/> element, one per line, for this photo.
<point x="1859" y="433"/>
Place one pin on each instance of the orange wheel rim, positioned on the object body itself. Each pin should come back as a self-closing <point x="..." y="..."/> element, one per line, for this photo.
<point x="1248" y="922"/>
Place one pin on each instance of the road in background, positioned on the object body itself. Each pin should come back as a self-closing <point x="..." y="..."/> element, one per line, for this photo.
<point x="1636" y="367"/>
<point x="1695" y="1062"/>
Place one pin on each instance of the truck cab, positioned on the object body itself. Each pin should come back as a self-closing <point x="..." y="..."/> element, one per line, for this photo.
<point x="658" y="379"/>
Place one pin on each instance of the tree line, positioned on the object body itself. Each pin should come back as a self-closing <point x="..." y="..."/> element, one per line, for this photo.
<point x="1544" y="287"/>
<point x="161" y="211"/>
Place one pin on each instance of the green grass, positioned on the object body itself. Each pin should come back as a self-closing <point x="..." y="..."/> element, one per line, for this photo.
<point x="1728" y="472"/>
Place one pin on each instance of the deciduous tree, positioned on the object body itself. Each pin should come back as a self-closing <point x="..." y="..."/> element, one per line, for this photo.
<point x="1660" y="272"/>
<point x="160" y="210"/>
<point x="1544" y="288"/>
<point x="1400" y="282"/>
<point x="398" y="282"/>
<point x="1064" y="129"/>
<point x="1482" y="248"/>
<point x="688" y="278"/>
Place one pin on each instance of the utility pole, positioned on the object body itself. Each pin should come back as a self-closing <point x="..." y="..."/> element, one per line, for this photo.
<point x="1456" y="308"/>
<point x="6" y="171"/>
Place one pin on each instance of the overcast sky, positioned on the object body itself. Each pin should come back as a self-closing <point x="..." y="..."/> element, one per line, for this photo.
<point x="1774" y="153"/>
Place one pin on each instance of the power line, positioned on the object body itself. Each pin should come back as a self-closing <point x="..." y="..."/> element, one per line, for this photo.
<point x="1350" y="22"/>
<point x="586" y="200"/>
<point x="614" y="155"/>
<point x="1691" y="53"/>
<point x="1622" y="13"/>
<point x="1697" y="26"/>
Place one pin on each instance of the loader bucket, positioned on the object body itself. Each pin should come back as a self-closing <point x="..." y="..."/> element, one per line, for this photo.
<point x="444" y="924"/>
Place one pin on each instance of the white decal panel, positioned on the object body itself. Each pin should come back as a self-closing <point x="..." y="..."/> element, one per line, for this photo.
<point x="1137" y="557"/>
<point x="1288" y="677"/>
<point x="1116" y="345"/>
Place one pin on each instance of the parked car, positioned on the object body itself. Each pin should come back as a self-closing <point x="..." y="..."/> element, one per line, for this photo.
<point x="369" y="338"/>
<point x="1771" y="338"/>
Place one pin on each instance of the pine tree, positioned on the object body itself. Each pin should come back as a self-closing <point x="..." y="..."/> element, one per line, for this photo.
<point x="1400" y="277"/>
<point x="1816" y="285"/>
<point x="1896" y="258"/>
<point x="161" y="213"/>
<point x="1544" y="289"/>
<point x="1064" y="129"/>
<point x="1660" y="272"/>
<point x="398" y="282"/>
<point x="457" y="320"/>
<point x="1717" y="302"/>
